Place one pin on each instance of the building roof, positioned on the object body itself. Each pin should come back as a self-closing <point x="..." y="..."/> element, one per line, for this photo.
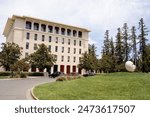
<point x="10" y="22"/>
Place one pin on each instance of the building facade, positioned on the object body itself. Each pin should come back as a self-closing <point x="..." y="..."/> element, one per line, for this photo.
<point x="66" y="42"/>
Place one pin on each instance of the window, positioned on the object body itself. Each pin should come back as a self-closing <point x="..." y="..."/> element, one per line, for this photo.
<point x="27" y="35"/>
<point x="43" y="27"/>
<point x="80" y="43"/>
<point x="68" y="50"/>
<point x="74" y="42"/>
<point x="49" y="48"/>
<point x="63" y="40"/>
<point x="74" y="33"/>
<point x="43" y="37"/>
<point x="50" y="29"/>
<point x="56" y="48"/>
<point x="80" y="51"/>
<point x="62" y="50"/>
<point x="27" y="45"/>
<point x="63" y="31"/>
<point x="68" y="41"/>
<point x="28" y="25"/>
<point x="62" y="58"/>
<point x="57" y="30"/>
<point x="68" y="32"/>
<point x="36" y="26"/>
<point x="68" y="59"/>
<point x="56" y="40"/>
<point x="26" y="55"/>
<point x="35" y="37"/>
<point x="35" y="46"/>
<point x="80" y="34"/>
<point x="50" y="39"/>
<point x="74" y="51"/>
<point x="74" y="59"/>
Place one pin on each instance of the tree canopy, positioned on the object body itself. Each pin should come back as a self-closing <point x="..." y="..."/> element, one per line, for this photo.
<point x="42" y="58"/>
<point x="9" y="55"/>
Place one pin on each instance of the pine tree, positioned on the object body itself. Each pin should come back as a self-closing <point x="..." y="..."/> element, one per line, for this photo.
<point x="134" y="43"/>
<point x="119" y="51"/>
<point x="125" y="37"/>
<point x="112" y="48"/>
<point x="112" y="55"/>
<point x="106" y="46"/>
<point x="143" y="40"/>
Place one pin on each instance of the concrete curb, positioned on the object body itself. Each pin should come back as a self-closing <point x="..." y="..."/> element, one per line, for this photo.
<point x="30" y="91"/>
<point x="32" y="94"/>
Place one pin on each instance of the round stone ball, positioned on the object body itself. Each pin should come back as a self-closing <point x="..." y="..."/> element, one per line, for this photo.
<point x="130" y="66"/>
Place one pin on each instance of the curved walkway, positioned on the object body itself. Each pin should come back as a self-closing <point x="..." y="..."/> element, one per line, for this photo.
<point x="18" y="89"/>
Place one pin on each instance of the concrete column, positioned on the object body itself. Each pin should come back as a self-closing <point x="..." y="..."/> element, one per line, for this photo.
<point x="32" y="25"/>
<point x="29" y="70"/>
<point x="52" y="70"/>
<point x="71" y="70"/>
<point x="77" y="69"/>
<point x="45" y="70"/>
<point x="65" y="68"/>
<point x="37" y="70"/>
<point x="58" y="68"/>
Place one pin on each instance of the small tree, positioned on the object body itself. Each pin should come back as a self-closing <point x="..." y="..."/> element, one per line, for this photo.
<point x="42" y="58"/>
<point x="88" y="60"/>
<point x="10" y="54"/>
<point x="20" y="66"/>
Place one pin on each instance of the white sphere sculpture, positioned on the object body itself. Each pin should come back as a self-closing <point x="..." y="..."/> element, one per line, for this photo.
<point x="130" y="66"/>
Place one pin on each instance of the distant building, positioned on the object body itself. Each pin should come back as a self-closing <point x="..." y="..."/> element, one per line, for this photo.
<point x="65" y="41"/>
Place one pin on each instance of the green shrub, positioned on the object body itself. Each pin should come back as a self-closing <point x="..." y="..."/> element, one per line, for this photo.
<point x="36" y="74"/>
<point x="16" y="75"/>
<point x="61" y="79"/>
<point x="23" y="75"/>
<point x="5" y="73"/>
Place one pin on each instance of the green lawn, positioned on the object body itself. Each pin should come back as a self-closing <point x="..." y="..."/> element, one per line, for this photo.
<point x="114" y="86"/>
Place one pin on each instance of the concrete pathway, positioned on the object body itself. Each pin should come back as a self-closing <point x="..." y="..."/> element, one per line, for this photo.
<point x="19" y="89"/>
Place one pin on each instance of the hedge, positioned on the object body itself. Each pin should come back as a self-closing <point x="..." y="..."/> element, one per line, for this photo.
<point x="35" y="74"/>
<point x="27" y="73"/>
<point x="5" y="73"/>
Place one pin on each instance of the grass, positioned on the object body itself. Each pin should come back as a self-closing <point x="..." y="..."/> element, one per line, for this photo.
<point x="113" y="86"/>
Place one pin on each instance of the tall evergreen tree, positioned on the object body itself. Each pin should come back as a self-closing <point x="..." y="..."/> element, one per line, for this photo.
<point x="112" y="48"/>
<point x="119" y="51"/>
<point x="125" y="37"/>
<point x="106" y="63"/>
<point x="134" y="44"/>
<point x="143" y="39"/>
<point x="106" y="46"/>
<point x="93" y="57"/>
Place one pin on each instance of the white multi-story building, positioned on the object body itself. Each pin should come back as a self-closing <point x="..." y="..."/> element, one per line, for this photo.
<point x="66" y="42"/>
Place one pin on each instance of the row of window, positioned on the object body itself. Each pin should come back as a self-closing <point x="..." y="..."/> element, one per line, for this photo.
<point x="56" y="48"/>
<point x="52" y="29"/>
<point x="62" y="58"/>
<point x="68" y="58"/>
<point x="50" y="39"/>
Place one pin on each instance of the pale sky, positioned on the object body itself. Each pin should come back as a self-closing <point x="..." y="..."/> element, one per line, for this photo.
<point x="96" y="15"/>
